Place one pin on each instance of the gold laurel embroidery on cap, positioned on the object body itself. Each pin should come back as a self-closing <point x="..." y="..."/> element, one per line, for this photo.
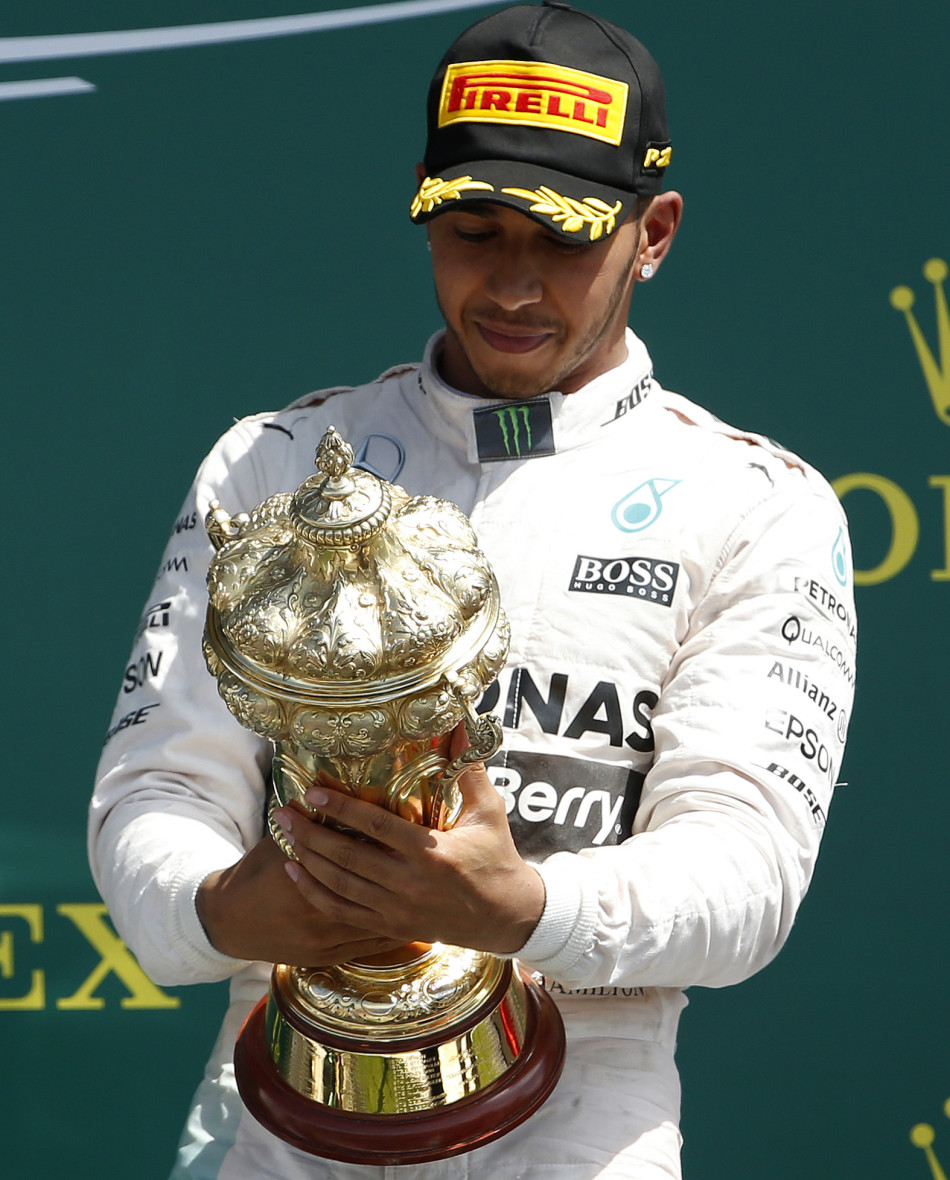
<point x="433" y="191"/>
<point x="572" y="214"/>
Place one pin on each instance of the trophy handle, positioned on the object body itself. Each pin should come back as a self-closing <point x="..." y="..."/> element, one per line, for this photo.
<point x="484" y="734"/>
<point x="274" y="828"/>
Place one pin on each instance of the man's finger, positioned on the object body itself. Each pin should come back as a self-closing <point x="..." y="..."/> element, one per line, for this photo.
<point x="380" y="825"/>
<point x="348" y="865"/>
<point x="338" y="907"/>
<point x="460" y="741"/>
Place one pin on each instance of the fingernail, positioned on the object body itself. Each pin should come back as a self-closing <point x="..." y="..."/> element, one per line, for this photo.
<point x="286" y="824"/>
<point x="317" y="798"/>
<point x="293" y="872"/>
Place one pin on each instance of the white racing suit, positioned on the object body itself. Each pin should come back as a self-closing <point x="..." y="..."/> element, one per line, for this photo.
<point x="675" y="708"/>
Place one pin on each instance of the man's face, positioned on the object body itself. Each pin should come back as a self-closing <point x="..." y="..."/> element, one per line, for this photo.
<point x="526" y="311"/>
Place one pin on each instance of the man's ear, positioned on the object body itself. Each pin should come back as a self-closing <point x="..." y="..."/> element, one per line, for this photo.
<point x="420" y="173"/>
<point x="658" y="227"/>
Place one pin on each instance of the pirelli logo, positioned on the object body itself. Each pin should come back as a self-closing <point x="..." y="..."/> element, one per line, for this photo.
<point x="534" y="94"/>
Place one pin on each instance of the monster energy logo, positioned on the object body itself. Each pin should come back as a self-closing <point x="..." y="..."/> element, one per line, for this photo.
<point x="511" y="419"/>
<point x="516" y="431"/>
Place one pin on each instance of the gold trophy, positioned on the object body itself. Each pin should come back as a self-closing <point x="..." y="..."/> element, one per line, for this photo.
<point x="355" y="626"/>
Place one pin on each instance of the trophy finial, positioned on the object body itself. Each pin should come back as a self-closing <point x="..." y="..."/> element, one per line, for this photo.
<point x="342" y="507"/>
<point x="334" y="455"/>
<point x="334" y="459"/>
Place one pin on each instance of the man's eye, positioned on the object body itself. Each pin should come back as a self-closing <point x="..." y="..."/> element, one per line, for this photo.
<point x="565" y="247"/>
<point x="473" y="235"/>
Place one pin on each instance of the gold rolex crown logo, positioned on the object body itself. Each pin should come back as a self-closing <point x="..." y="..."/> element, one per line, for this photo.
<point x="922" y="1136"/>
<point x="936" y="373"/>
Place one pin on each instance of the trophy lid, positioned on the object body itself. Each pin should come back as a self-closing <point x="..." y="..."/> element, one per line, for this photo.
<point x="342" y="507"/>
<point x="348" y="592"/>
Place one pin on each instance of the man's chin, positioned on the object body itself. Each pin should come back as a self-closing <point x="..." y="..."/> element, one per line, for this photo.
<point x="513" y="382"/>
<point x="514" y="390"/>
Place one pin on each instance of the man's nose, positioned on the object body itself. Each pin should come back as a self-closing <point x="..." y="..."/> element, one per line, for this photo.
<point x="514" y="281"/>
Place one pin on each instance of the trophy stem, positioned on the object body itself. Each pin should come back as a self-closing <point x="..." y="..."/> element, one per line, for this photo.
<point x="401" y="956"/>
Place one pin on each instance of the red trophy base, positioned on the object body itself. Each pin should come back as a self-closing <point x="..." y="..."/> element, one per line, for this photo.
<point x="418" y="1136"/>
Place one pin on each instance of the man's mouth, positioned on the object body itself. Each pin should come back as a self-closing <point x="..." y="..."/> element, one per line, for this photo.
<point x="513" y="339"/>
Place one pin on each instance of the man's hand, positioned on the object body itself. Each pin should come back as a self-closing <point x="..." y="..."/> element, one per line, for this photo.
<point x="253" y="911"/>
<point x="467" y="886"/>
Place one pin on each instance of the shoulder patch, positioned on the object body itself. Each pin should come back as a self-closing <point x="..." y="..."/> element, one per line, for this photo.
<point x="396" y="371"/>
<point x="692" y="415"/>
<point x="319" y="396"/>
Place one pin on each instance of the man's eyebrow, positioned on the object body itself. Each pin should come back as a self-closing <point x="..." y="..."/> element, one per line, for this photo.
<point x="479" y="209"/>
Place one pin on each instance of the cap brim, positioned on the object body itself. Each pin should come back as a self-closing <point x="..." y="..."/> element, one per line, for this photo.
<point x="576" y="210"/>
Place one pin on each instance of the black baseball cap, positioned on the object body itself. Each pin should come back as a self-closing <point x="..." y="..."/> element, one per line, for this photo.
<point x="548" y="110"/>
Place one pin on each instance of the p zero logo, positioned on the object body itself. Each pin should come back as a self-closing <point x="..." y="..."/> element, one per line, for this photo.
<point x="626" y="577"/>
<point x="519" y="430"/>
<point x="534" y="94"/>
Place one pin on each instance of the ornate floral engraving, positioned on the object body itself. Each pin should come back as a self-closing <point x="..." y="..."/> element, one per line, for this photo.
<point x="418" y="994"/>
<point x="353" y="622"/>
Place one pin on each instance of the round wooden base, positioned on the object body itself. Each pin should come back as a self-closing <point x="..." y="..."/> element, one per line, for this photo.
<point x="403" y="1138"/>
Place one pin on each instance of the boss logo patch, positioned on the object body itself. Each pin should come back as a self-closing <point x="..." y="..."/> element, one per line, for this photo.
<point x="626" y="577"/>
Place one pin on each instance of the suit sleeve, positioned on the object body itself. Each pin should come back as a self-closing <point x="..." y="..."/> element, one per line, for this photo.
<point x="750" y="730"/>
<point x="180" y="785"/>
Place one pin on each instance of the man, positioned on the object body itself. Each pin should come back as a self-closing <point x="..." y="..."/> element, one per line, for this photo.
<point x="672" y="737"/>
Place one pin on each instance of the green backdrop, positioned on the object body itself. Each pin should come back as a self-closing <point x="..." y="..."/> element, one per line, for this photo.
<point x="202" y="231"/>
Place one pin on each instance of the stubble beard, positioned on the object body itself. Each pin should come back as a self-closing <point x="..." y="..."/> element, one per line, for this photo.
<point x="515" y="384"/>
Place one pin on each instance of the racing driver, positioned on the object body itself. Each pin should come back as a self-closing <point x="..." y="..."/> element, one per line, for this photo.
<point x="670" y="753"/>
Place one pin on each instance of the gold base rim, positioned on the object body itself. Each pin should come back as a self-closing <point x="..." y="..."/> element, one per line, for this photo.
<point x="410" y="1138"/>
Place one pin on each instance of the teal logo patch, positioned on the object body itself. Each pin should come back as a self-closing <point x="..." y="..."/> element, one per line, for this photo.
<point x="839" y="559"/>
<point x="641" y="507"/>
